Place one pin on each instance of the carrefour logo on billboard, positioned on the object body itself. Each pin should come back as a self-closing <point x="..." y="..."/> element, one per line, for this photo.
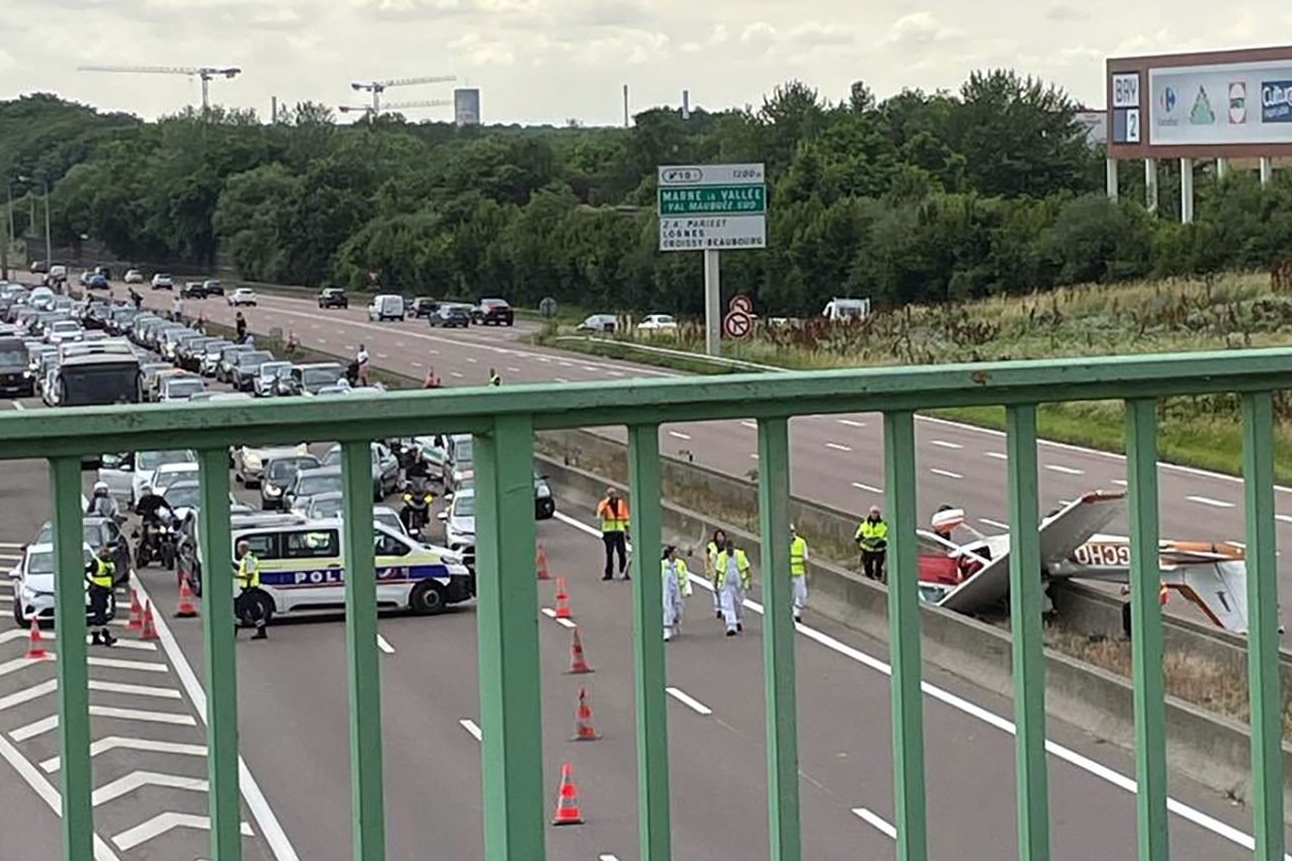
<point x="1276" y="101"/>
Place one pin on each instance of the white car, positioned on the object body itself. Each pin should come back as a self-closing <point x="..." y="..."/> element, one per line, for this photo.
<point x="460" y="525"/>
<point x="242" y="296"/>
<point x="126" y="476"/>
<point x="63" y="331"/>
<point x="134" y="276"/>
<point x="33" y="585"/>
<point x="163" y="281"/>
<point x="657" y="322"/>
<point x="249" y="461"/>
<point x="170" y="473"/>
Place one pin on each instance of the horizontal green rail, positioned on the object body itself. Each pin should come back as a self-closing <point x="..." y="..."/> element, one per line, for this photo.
<point x="504" y="421"/>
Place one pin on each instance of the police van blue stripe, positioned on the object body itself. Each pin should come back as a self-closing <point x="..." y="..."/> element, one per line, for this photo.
<point x="312" y="578"/>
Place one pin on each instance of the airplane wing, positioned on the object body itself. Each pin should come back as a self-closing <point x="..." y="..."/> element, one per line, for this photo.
<point x="1219" y="589"/>
<point x="1060" y="535"/>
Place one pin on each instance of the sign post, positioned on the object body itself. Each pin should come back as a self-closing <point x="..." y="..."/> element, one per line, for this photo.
<point x="710" y="208"/>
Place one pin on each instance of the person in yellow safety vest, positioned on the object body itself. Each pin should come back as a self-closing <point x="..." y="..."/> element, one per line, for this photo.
<point x="872" y="539"/>
<point x="494" y="379"/>
<point x="798" y="572"/>
<point x="247" y="604"/>
<point x="733" y="579"/>
<point x="711" y="555"/>
<point x="613" y="512"/>
<point x="1163" y="596"/>
<point x="677" y="587"/>
<point x="99" y="573"/>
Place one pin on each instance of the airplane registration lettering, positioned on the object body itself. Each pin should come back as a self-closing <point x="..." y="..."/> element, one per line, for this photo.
<point x="1107" y="555"/>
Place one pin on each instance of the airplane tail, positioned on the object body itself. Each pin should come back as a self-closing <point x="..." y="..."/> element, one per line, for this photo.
<point x="1219" y="589"/>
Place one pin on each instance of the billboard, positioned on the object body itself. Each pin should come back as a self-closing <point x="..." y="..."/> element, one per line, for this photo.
<point x="1232" y="104"/>
<point x="466" y="106"/>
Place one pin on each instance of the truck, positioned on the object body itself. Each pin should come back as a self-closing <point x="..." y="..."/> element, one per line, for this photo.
<point x="846" y="309"/>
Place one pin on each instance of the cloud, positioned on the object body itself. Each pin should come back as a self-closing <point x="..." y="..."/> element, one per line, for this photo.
<point x="1064" y="13"/>
<point x="919" y="29"/>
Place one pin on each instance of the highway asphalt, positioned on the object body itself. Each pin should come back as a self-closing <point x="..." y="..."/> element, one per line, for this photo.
<point x="293" y="704"/>
<point x="836" y="460"/>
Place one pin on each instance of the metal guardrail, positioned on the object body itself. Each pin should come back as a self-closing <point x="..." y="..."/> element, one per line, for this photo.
<point x="504" y="421"/>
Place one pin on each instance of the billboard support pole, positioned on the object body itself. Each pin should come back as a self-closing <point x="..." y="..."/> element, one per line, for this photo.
<point x="1112" y="179"/>
<point x="1150" y="185"/>
<point x="713" y="301"/>
<point x="1267" y="169"/>
<point x="1222" y="168"/>
<point x="1186" y="191"/>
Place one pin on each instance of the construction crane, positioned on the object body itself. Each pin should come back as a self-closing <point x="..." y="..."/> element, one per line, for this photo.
<point x="205" y="73"/>
<point x="394" y="106"/>
<point x="379" y="87"/>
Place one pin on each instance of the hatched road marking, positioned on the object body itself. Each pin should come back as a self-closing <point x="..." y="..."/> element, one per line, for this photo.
<point x="688" y="701"/>
<point x="471" y="727"/>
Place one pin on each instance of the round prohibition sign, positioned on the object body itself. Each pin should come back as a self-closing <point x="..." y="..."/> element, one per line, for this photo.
<point x="740" y="304"/>
<point x="737" y="324"/>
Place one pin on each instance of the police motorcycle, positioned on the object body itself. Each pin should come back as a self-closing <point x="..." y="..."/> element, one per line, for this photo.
<point x="416" y="511"/>
<point x="158" y="541"/>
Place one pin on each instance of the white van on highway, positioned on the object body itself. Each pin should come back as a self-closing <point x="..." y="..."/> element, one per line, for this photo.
<point x="387" y="306"/>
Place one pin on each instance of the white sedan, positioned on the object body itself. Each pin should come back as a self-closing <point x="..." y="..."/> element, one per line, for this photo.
<point x="134" y="276"/>
<point x="658" y="323"/>
<point x="242" y="296"/>
<point x="33" y="585"/>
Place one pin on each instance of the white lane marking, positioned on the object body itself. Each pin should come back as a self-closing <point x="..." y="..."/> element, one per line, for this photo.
<point x="10" y="545"/>
<point x="566" y="623"/>
<point x="137" y="779"/>
<point x="471" y="727"/>
<point x="382" y="356"/>
<point x="1285" y="518"/>
<point x="941" y="443"/>
<point x="869" y="488"/>
<point x="163" y="822"/>
<point x="16" y="664"/>
<point x="1207" y="500"/>
<point x="399" y="344"/>
<point x="607" y="857"/>
<point x="1120" y="482"/>
<point x="838" y="446"/>
<point x="513" y="370"/>
<point x="559" y="380"/>
<point x="28" y="694"/>
<point x="549" y="612"/>
<point x="615" y="373"/>
<point x="270" y="828"/>
<point x="471" y="360"/>
<point x="993" y="523"/>
<point x="946" y="473"/>
<point x="116" y="742"/>
<point x="455" y="375"/>
<point x="750" y="425"/>
<point x="678" y="435"/>
<point x="135" y="690"/>
<point x="46" y="724"/>
<point x="850" y="423"/>
<point x="566" y="364"/>
<point x="1065" y="502"/>
<point x="997" y="455"/>
<point x="45" y="790"/>
<point x="754" y="456"/>
<point x="1090" y="766"/>
<point x="117" y="664"/>
<point x="688" y="701"/>
<point x="323" y="341"/>
<point x="17" y="405"/>
<point x="418" y="365"/>
<point x="876" y="821"/>
<point x="1066" y="470"/>
<point x="384" y="645"/>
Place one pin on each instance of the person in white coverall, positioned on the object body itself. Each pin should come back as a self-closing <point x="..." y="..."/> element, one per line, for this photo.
<point x="677" y="587"/>
<point x="710" y="556"/>
<point x="732" y="567"/>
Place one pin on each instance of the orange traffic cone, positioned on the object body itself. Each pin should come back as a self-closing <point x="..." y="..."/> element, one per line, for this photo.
<point x="136" y="611"/>
<point x="567" y="805"/>
<point x="186" y="610"/>
<point x="578" y="664"/>
<point x="541" y="563"/>
<point x="149" y="630"/>
<point x="583" y="729"/>
<point x="35" y="648"/>
<point x="562" y="599"/>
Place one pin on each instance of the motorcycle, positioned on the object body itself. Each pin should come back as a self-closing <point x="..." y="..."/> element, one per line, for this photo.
<point x="416" y="512"/>
<point x="158" y="542"/>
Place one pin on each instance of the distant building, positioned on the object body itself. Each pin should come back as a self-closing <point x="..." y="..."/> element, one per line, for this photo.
<point x="466" y="106"/>
<point x="1096" y="125"/>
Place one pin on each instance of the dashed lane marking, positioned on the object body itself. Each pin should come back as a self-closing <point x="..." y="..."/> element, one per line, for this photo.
<point x="750" y="425"/>
<point x="513" y="370"/>
<point x="679" y="435"/>
<point x="688" y="701"/>
<point x="1208" y="501"/>
<point x="838" y="446"/>
<point x="946" y="473"/>
<point x="876" y="821"/>
<point x="471" y="727"/>
<point x="869" y="488"/>
<point x="997" y="455"/>
<point x="559" y="380"/>
<point x="384" y="645"/>
<point x="850" y="423"/>
<point x="941" y="443"/>
<point x="1065" y="470"/>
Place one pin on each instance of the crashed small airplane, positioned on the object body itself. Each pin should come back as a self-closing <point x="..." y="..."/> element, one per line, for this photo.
<point x="972" y="575"/>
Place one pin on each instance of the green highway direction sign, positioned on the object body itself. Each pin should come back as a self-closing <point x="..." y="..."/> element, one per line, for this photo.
<point x="712" y="207"/>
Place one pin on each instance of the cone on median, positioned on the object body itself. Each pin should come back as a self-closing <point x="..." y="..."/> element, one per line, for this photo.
<point x="185" y="610"/>
<point x="136" y="611"/>
<point x="540" y="562"/>
<point x="35" y="647"/>
<point x="583" y="728"/>
<point x="562" y="599"/>
<point x="578" y="664"/>
<point x="567" y="804"/>
<point x="150" y="628"/>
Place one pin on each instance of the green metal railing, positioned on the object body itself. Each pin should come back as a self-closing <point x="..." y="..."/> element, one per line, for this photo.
<point x="504" y="422"/>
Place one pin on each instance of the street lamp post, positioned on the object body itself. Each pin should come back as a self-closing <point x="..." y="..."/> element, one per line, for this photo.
<point x="49" y="249"/>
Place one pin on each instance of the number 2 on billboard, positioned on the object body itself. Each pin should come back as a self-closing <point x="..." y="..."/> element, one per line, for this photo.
<point x="1132" y="126"/>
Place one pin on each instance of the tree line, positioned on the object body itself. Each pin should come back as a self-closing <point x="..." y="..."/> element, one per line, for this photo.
<point x="920" y="197"/>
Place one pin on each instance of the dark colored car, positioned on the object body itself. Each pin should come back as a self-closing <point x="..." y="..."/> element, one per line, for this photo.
<point x="15" y="371"/>
<point x="193" y="290"/>
<point x="494" y="312"/>
<point x="451" y="317"/>
<point x="424" y="306"/>
<point x="280" y="473"/>
<point x="333" y="297"/>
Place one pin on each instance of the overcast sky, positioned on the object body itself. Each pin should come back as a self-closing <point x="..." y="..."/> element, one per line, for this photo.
<point x="552" y="60"/>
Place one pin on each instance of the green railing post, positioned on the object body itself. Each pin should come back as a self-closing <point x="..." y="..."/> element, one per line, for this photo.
<point x="1025" y="590"/>
<point x="1146" y="631"/>
<point x="511" y="714"/>
<point x="221" y="661"/>
<point x="654" y="829"/>
<point x="904" y="636"/>
<point x="1266" y="695"/>
<point x="778" y="641"/>
<point x="73" y="671"/>
<point x="367" y="805"/>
